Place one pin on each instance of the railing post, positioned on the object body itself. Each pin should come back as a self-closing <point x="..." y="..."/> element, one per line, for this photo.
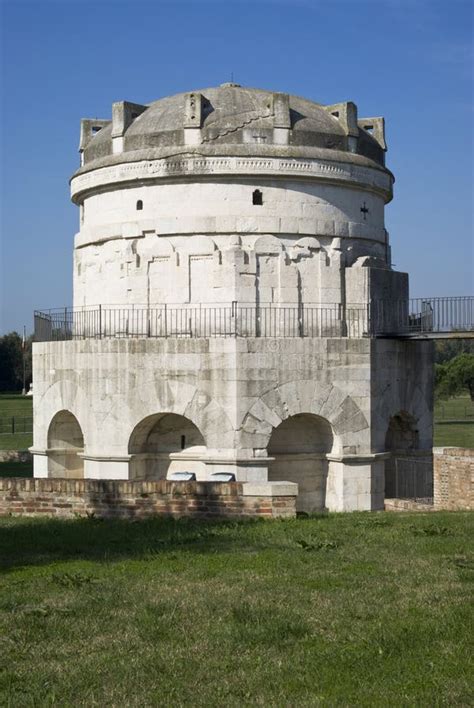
<point x="234" y="315"/>
<point x="100" y="321"/>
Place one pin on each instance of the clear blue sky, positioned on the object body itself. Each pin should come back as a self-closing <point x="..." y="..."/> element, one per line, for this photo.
<point x="408" y="60"/>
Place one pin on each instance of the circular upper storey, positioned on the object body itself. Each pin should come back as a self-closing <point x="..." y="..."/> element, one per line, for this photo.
<point x="189" y="131"/>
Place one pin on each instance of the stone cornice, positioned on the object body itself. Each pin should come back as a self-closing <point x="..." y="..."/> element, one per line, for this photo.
<point x="188" y="167"/>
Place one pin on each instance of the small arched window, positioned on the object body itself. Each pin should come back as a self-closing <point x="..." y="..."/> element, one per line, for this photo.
<point x="139" y="205"/>
<point x="257" y="197"/>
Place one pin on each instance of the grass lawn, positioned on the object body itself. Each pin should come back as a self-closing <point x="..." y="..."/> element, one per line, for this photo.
<point x="14" y="404"/>
<point x="448" y="428"/>
<point x="350" y="609"/>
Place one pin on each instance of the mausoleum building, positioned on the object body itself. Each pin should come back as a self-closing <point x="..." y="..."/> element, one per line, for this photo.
<point x="235" y="307"/>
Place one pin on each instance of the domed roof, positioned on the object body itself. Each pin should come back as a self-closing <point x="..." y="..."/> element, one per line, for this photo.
<point x="232" y="119"/>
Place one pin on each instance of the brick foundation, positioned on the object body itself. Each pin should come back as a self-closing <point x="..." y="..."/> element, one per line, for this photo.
<point x="453" y="478"/>
<point x="407" y="505"/>
<point x="113" y="498"/>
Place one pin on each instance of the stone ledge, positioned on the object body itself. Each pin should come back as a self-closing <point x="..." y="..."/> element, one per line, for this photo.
<point x="407" y="505"/>
<point x="269" y="489"/>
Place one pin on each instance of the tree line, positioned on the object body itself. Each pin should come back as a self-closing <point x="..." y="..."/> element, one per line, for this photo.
<point x="12" y="351"/>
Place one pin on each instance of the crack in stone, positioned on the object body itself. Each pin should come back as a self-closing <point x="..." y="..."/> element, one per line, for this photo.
<point x="238" y="127"/>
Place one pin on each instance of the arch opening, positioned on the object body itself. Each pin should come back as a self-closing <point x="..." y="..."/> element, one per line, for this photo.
<point x="299" y="446"/>
<point x="407" y="474"/>
<point x="65" y="445"/>
<point x="164" y="443"/>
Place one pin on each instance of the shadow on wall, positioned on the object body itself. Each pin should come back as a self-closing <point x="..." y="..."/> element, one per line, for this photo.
<point x="408" y="471"/>
<point x="165" y="443"/>
<point x="300" y="445"/>
<point x="65" y="444"/>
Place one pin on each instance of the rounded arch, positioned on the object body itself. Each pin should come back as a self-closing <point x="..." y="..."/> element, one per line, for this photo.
<point x="414" y="405"/>
<point x="63" y="394"/>
<point x="402" y="433"/>
<point x="313" y="397"/>
<point x="163" y="443"/>
<point x="298" y="448"/>
<point x="184" y="399"/>
<point x="65" y="445"/>
<point x="302" y="433"/>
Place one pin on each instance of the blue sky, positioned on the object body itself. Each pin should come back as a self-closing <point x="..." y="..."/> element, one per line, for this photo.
<point x="408" y="60"/>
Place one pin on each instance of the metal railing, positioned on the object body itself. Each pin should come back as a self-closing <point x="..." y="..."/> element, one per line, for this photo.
<point x="409" y="478"/>
<point x="423" y="314"/>
<point x="13" y="424"/>
<point x="378" y="318"/>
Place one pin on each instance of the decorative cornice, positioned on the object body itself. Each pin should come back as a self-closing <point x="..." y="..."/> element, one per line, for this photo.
<point x="191" y="167"/>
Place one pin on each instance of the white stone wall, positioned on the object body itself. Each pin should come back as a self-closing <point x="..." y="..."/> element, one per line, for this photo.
<point x="216" y="206"/>
<point x="206" y="242"/>
<point x="236" y="392"/>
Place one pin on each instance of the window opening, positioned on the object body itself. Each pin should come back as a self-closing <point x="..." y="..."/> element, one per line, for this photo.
<point x="257" y="197"/>
<point x="183" y="442"/>
<point x="139" y="205"/>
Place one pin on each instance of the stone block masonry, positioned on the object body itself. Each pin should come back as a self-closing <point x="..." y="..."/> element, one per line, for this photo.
<point x="453" y="478"/>
<point x="68" y="498"/>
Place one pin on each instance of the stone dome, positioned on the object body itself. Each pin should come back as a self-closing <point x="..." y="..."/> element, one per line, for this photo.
<point x="231" y="119"/>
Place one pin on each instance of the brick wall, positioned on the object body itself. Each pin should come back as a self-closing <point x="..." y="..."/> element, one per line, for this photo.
<point x="113" y="498"/>
<point x="453" y="478"/>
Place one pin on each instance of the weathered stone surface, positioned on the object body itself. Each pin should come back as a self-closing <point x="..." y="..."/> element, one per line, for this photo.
<point x="226" y="257"/>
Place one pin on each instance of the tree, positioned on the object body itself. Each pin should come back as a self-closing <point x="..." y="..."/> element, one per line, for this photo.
<point x="11" y="362"/>
<point x="447" y="349"/>
<point x="455" y="376"/>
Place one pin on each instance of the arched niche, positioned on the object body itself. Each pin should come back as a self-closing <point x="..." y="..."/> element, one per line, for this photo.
<point x="402" y="441"/>
<point x="65" y="444"/>
<point x="165" y="443"/>
<point x="268" y="245"/>
<point x="299" y="446"/>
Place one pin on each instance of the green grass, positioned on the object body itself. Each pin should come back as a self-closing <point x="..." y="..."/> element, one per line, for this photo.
<point x="14" y="404"/>
<point x="459" y="408"/>
<point x="448" y="428"/>
<point x="338" y="610"/>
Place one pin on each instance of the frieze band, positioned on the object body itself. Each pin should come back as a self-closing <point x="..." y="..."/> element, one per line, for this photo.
<point x="372" y="179"/>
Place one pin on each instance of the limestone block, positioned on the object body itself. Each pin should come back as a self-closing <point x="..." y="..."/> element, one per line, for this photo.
<point x="246" y="224"/>
<point x="307" y="226"/>
<point x="262" y="412"/>
<point x="254" y="489"/>
<point x="288" y="225"/>
<point x="350" y="418"/>
<point x="330" y="407"/>
<point x="40" y="465"/>
<point x="226" y="223"/>
<point x="106" y="469"/>
<point x="341" y="229"/>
